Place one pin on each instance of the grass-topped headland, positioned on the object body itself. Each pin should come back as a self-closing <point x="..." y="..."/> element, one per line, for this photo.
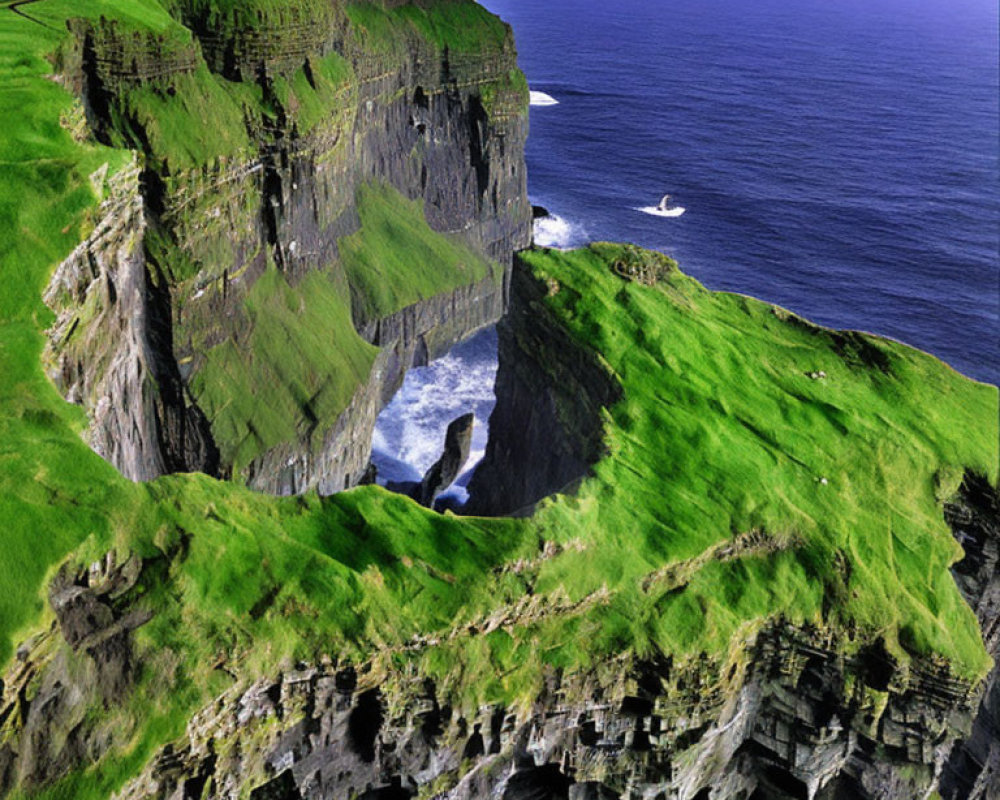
<point x="211" y="97"/>
<point x="741" y="417"/>
<point x="738" y="488"/>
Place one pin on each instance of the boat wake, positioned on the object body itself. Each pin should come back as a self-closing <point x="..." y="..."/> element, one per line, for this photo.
<point x="656" y="211"/>
<point x="541" y="100"/>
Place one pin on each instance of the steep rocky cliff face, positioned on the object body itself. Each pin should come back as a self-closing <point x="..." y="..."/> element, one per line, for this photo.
<point x="158" y="310"/>
<point x="973" y="766"/>
<point x="547" y="428"/>
<point x="786" y="716"/>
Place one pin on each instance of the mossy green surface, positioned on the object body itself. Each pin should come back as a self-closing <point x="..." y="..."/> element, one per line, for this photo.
<point x="721" y="431"/>
<point x="724" y="430"/>
<point x="396" y="260"/>
<point x="173" y="123"/>
<point x="225" y="16"/>
<point x="459" y="27"/>
<point x="293" y="370"/>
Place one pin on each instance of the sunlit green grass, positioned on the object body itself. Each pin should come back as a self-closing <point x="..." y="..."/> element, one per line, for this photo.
<point x="295" y="367"/>
<point x="460" y="27"/>
<point x="722" y="431"/>
<point x="396" y="260"/>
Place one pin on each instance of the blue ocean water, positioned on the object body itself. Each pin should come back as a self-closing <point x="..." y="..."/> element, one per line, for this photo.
<point x="837" y="158"/>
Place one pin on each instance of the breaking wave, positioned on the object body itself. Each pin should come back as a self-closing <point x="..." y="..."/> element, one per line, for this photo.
<point x="554" y="231"/>
<point x="409" y="433"/>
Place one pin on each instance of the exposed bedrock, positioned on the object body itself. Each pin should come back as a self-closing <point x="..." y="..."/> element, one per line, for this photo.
<point x="85" y="659"/>
<point x="110" y="349"/>
<point x="788" y="718"/>
<point x="168" y="276"/>
<point x="547" y="429"/>
<point x="972" y="769"/>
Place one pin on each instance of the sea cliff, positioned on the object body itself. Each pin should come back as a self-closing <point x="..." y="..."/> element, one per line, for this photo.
<point x="743" y="557"/>
<point x="323" y="120"/>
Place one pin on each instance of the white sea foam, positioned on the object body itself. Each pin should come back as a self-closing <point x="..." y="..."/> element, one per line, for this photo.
<point x="409" y="433"/>
<point x="656" y="211"/>
<point x="542" y="100"/>
<point x="554" y="231"/>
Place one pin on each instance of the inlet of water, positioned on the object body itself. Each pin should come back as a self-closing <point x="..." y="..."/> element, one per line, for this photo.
<point x="409" y="433"/>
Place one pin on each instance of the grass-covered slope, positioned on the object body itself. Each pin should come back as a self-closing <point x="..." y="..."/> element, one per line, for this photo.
<point x="298" y="363"/>
<point x="726" y="428"/>
<point x="465" y="28"/>
<point x="54" y="492"/>
<point x="396" y="260"/>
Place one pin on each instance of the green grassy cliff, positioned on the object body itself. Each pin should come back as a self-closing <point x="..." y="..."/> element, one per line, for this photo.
<point x="709" y="516"/>
<point x="738" y="486"/>
<point x="267" y="135"/>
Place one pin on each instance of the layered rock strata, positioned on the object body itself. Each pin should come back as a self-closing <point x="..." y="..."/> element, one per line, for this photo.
<point x="973" y="767"/>
<point x="186" y="245"/>
<point x="790" y="718"/>
<point x="111" y="348"/>
<point x="792" y="713"/>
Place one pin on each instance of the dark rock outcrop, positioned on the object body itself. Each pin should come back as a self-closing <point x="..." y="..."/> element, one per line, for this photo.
<point x="111" y="348"/>
<point x="792" y="716"/>
<point x="546" y="430"/>
<point x="85" y="659"/>
<point x="972" y="770"/>
<point x="457" y="443"/>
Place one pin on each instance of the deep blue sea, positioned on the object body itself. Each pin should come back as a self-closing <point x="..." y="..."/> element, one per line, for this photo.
<point x="838" y="158"/>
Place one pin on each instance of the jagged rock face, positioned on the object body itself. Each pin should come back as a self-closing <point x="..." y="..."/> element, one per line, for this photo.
<point x="782" y="721"/>
<point x="973" y="767"/>
<point x="546" y="430"/>
<point x="182" y="250"/>
<point x="111" y="347"/>
<point x="86" y="658"/>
